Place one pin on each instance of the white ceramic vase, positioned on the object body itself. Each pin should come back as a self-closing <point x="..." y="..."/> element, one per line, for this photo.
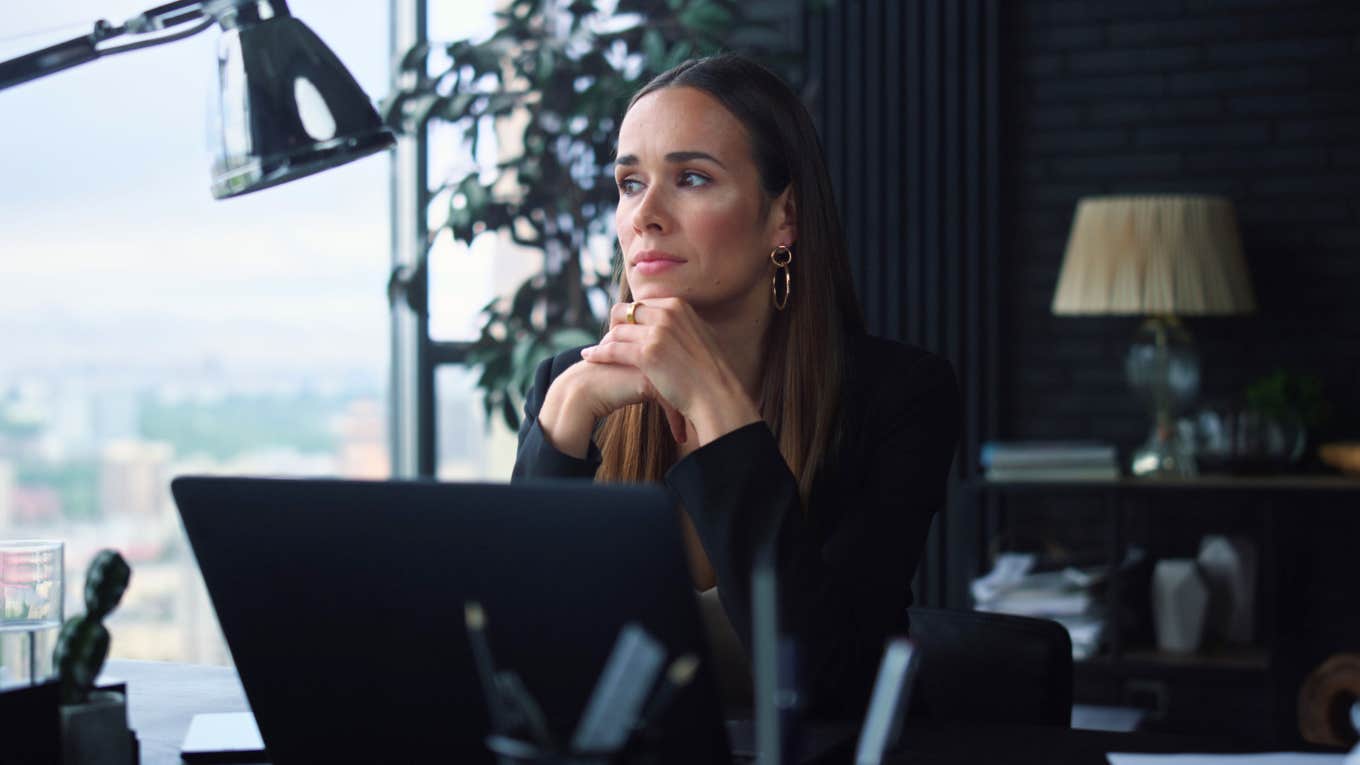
<point x="1180" y="603"/>
<point x="1229" y="566"/>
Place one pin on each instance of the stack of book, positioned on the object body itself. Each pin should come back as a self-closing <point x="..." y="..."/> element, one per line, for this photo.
<point x="1049" y="461"/>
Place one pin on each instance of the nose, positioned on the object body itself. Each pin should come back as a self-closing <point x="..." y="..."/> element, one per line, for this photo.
<point x="651" y="215"/>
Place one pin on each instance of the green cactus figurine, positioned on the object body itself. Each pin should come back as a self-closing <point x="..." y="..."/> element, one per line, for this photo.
<point x="84" y="643"/>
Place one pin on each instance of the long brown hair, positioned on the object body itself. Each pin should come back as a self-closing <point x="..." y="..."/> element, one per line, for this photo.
<point x="802" y="368"/>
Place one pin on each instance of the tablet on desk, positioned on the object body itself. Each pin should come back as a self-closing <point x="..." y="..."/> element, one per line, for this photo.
<point x="226" y="737"/>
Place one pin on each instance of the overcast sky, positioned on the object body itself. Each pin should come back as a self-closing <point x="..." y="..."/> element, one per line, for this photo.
<point x="111" y="246"/>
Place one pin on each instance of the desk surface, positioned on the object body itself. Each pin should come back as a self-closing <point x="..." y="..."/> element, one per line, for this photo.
<point x="163" y="698"/>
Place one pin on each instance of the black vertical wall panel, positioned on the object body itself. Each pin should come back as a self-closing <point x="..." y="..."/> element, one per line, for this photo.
<point x="852" y="121"/>
<point x="909" y="113"/>
<point x="912" y="79"/>
<point x="834" y="87"/>
<point x="988" y="390"/>
<point x="953" y="184"/>
<point x="926" y="292"/>
<point x="871" y="150"/>
<point x="893" y="232"/>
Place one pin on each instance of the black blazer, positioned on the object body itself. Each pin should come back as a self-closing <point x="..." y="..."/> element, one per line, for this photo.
<point x="845" y="568"/>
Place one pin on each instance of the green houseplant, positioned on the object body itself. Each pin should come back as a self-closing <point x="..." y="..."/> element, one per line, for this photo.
<point x="558" y="73"/>
<point x="1286" y="408"/>
<point x="1289" y="397"/>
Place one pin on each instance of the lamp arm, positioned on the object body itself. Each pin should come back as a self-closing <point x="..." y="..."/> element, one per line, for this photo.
<point x="80" y="50"/>
<point x="190" y="32"/>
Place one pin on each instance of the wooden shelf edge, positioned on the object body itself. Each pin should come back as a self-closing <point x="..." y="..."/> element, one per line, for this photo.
<point x="1320" y="482"/>
<point x="1248" y="659"/>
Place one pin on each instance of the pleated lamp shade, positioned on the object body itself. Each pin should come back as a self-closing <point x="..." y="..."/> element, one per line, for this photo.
<point x="1154" y="255"/>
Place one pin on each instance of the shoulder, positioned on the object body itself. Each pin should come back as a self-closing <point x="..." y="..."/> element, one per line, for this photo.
<point x="890" y="387"/>
<point x="877" y="368"/>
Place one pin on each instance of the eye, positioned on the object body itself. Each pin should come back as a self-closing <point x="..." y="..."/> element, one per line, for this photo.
<point x="693" y="179"/>
<point x="629" y="186"/>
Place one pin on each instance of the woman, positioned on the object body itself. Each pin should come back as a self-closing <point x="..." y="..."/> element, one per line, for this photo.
<point x="736" y="371"/>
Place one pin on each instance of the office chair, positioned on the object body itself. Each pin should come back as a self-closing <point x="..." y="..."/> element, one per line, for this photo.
<point x="985" y="667"/>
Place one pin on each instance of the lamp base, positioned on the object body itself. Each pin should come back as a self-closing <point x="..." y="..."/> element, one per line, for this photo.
<point x="1165" y="455"/>
<point x="1163" y="370"/>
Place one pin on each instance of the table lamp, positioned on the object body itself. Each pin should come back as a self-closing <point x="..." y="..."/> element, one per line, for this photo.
<point x="1159" y="256"/>
<point x="286" y="105"/>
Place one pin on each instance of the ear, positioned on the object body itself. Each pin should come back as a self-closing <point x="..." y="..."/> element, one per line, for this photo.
<point x="784" y="219"/>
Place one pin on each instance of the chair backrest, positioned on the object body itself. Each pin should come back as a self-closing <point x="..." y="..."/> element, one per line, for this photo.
<point x="986" y="667"/>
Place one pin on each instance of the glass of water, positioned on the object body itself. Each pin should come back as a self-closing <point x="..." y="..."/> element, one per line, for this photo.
<point x="31" y="608"/>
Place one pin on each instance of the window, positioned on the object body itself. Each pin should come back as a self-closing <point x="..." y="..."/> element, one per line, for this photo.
<point x="150" y="331"/>
<point x="468" y="444"/>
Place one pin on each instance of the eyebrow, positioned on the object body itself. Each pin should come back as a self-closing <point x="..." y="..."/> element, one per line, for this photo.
<point x="675" y="157"/>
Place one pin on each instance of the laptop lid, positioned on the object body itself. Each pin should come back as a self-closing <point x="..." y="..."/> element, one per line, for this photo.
<point x="342" y="604"/>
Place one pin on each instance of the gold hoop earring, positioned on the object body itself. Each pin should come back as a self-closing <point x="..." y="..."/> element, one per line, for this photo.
<point x="781" y="257"/>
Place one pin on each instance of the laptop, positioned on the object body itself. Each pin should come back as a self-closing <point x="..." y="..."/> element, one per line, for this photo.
<point x="342" y="603"/>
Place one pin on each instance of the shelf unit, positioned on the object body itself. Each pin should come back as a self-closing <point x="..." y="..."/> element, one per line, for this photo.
<point x="1243" y="675"/>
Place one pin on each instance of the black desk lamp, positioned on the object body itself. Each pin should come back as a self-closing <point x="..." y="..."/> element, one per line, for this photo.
<point x="286" y="106"/>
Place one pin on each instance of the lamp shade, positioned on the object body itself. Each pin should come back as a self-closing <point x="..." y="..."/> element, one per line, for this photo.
<point x="1156" y="254"/>
<point x="286" y="107"/>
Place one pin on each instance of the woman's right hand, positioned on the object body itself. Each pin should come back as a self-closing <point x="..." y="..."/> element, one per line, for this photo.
<point x="586" y="392"/>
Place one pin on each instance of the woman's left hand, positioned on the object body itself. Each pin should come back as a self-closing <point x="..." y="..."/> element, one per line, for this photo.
<point x="678" y="353"/>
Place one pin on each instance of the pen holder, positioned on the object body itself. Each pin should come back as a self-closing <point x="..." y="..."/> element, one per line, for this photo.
<point x="640" y="749"/>
<point x="513" y="751"/>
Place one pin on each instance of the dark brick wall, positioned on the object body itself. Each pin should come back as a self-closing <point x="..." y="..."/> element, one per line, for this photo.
<point x="1258" y="100"/>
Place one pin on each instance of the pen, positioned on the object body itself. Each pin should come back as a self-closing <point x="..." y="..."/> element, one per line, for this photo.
<point x="680" y="673"/>
<point x="525" y="708"/>
<point x="475" y="619"/>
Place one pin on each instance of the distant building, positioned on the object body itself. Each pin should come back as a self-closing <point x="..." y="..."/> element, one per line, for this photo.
<point x="36" y="505"/>
<point x="363" y="440"/>
<point x="134" y="478"/>
<point x="7" y="486"/>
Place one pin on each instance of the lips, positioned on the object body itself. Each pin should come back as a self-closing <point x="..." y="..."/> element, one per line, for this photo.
<point x="650" y="262"/>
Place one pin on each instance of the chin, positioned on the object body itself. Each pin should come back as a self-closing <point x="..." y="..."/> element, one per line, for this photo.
<point x="653" y="291"/>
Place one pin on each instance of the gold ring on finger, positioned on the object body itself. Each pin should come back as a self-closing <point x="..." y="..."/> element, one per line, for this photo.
<point x="631" y="316"/>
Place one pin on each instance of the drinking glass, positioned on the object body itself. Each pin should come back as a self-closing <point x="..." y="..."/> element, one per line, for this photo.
<point x="31" y="608"/>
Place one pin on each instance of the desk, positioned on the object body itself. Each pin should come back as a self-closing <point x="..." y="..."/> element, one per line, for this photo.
<point x="163" y="698"/>
<point x="959" y="743"/>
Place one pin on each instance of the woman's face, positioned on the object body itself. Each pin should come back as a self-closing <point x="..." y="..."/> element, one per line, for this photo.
<point x="689" y="216"/>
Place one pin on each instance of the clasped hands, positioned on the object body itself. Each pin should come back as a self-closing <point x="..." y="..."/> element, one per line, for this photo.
<point x="668" y="355"/>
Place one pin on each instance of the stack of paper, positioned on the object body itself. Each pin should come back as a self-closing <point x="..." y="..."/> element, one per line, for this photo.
<point x="1065" y="596"/>
<point x="1264" y="758"/>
